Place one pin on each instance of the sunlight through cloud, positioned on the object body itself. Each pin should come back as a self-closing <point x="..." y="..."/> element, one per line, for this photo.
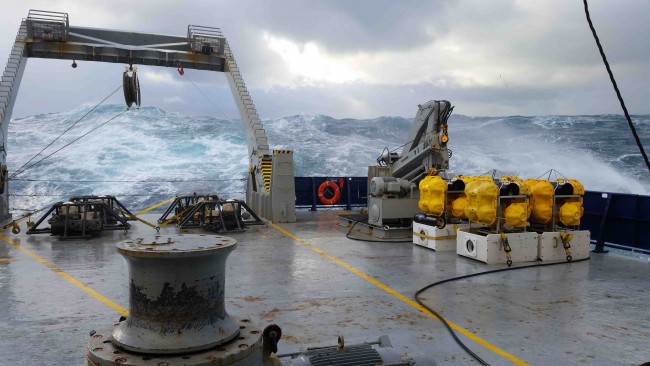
<point x="312" y="65"/>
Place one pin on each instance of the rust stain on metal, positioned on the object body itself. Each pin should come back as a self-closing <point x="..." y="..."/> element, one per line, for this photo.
<point x="169" y="316"/>
<point x="254" y="298"/>
<point x="289" y="338"/>
<point x="270" y="314"/>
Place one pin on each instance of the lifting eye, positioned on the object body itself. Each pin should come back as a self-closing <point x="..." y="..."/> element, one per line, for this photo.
<point x="74" y="64"/>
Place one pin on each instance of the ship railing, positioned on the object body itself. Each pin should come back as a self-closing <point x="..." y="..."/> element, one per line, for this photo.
<point x="615" y="220"/>
<point x="47" y="25"/>
<point x="207" y="40"/>
<point x="353" y="193"/>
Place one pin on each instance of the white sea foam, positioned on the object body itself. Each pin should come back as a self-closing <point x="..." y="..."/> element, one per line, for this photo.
<point x="145" y="149"/>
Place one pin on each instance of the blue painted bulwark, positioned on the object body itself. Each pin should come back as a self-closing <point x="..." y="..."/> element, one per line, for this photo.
<point x="619" y="219"/>
<point x="614" y="219"/>
<point x="353" y="194"/>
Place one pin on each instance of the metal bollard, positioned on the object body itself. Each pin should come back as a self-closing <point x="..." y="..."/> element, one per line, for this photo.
<point x="177" y="310"/>
<point x="176" y="294"/>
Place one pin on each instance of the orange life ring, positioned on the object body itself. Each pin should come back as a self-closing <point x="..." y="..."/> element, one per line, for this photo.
<point x="321" y="193"/>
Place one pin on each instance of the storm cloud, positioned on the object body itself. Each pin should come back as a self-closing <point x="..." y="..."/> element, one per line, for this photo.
<point x="364" y="59"/>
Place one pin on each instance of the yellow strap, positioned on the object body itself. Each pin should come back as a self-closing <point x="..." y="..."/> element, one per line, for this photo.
<point x="141" y="220"/>
<point x="566" y="237"/>
<point x="168" y="221"/>
<point x="155" y="206"/>
<point x="16" y="221"/>
<point x="175" y="217"/>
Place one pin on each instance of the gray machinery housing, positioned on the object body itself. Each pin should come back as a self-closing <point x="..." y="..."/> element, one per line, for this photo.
<point x="270" y="190"/>
<point x="394" y="195"/>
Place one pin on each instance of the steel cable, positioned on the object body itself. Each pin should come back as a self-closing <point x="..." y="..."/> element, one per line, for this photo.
<point x="71" y="142"/>
<point x="21" y="170"/>
<point x="618" y="92"/>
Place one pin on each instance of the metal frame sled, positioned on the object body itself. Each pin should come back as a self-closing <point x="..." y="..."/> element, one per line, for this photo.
<point x="83" y="217"/>
<point x="209" y="212"/>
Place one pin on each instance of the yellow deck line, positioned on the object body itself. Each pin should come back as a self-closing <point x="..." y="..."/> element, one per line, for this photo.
<point x="67" y="277"/>
<point x="122" y="311"/>
<point x="414" y="304"/>
<point x="155" y="206"/>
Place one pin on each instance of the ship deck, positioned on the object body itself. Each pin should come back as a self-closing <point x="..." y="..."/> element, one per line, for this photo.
<point x="316" y="284"/>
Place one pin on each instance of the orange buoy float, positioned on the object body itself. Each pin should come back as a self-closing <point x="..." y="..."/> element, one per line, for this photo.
<point x="334" y="188"/>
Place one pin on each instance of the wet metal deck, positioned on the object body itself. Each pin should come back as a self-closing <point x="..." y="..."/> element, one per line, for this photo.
<point x="316" y="284"/>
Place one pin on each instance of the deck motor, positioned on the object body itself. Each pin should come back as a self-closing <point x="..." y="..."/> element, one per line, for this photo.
<point x="390" y="201"/>
<point x="379" y="352"/>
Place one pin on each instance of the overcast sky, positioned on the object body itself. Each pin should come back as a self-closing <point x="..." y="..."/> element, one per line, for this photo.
<point x="364" y="59"/>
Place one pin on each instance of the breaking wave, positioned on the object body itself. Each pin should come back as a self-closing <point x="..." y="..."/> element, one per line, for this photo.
<point x="147" y="155"/>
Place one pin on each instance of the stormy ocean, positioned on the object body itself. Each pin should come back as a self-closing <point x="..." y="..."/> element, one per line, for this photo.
<point x="145" y="156"/>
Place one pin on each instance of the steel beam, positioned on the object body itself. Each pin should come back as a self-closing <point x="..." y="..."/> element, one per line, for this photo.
<point x="9" y="85"/>
<point x="102" y="45"/>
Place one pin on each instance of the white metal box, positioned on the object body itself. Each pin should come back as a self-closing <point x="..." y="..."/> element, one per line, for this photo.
<point x="551" y="248"/>
<point x="489" y="248"/>
<point x="383" y="211"/>
<point x="431" y="237"/>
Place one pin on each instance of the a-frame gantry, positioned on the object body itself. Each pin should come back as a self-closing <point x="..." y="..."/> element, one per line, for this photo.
<point x="43" y="34"/>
